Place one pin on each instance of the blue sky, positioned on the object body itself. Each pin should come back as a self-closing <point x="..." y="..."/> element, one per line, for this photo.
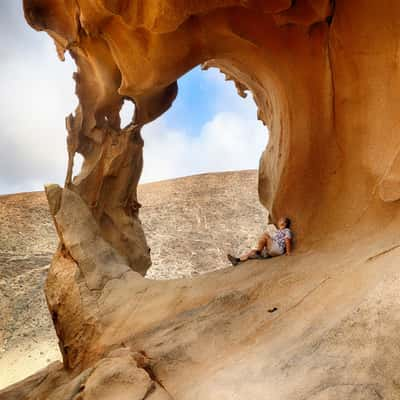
<point x="195" y="102"/>
<point x="209" y="127"/>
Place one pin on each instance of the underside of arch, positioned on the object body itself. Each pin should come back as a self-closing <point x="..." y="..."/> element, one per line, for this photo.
<point x="311" y="67"/>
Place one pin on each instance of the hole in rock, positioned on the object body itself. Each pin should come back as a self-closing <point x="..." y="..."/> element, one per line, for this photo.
<point x="126" y="113"/>
<point x="78" y="161"/>
<point x="193" y="221"/>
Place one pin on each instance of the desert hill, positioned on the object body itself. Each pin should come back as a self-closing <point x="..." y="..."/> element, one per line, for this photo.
<point x="190" y="224"/>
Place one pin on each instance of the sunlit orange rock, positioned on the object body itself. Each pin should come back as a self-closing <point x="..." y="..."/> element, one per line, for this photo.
<point x="325" y="77"/>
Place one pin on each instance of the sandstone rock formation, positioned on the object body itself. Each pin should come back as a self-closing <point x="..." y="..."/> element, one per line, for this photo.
<point x="324" y="75"/>
<point x="186" y="239"/>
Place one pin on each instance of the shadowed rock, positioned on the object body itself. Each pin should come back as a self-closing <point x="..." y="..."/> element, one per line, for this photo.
<point x="324" y="77"/>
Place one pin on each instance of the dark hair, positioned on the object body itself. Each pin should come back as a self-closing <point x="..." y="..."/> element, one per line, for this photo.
<point x="288" y="222"/>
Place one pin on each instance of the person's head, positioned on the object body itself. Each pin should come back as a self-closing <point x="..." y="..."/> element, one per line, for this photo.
<point x="284" y="222"/>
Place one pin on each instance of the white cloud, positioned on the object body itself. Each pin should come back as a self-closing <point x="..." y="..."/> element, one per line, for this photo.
<point x="38" y="92"/>
<point x="229" y="141"/>
<point x="232" y="139"/>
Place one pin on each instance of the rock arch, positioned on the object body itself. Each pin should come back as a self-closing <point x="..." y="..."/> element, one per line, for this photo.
<point x="138" y="51"/>
<point x="320" y="71"/>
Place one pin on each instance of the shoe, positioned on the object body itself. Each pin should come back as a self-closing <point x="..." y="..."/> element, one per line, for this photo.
<point x="234" y="260"/>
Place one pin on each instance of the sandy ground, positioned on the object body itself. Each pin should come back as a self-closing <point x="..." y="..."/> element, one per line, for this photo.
<point x="190" y="223"/>
<point x="25" y="359"/>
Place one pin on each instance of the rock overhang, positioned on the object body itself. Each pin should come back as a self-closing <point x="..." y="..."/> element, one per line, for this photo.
<point x="309" y="71"/>
<point x="137" y="50"/>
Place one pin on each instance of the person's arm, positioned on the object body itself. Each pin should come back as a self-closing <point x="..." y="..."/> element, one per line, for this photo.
<point x="288" y="243"/>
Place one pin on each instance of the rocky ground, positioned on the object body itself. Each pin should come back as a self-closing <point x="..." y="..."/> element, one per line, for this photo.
<point x="190" y="223"/>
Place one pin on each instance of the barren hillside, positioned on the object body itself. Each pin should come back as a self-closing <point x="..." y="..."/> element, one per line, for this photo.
<point x="190" y="224"/>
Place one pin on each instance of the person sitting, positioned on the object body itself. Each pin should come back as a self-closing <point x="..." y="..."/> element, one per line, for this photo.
<point x="273" y="245"/>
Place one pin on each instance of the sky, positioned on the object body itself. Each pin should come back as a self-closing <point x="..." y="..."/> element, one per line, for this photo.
<point x="209" y="127"/>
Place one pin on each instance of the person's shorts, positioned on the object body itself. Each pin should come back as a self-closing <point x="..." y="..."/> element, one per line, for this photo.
<point x="275" y="250"/>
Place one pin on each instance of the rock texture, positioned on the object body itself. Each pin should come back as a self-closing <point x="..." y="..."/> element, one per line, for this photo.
<point x="324" y="75"/>
<point x="306" y="68"/>
<point x="190" y="224"/>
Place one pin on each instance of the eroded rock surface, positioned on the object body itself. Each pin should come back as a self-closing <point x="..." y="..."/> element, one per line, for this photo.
<point x="324" y="76"/>
<point x="190" y="224"/>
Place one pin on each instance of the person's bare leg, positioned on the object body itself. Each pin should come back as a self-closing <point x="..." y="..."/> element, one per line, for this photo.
<point x="248" y="255"/>
<point x="236" y="260"/>
<point x="268" y="244"/>
<point x="263" y="241"/>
